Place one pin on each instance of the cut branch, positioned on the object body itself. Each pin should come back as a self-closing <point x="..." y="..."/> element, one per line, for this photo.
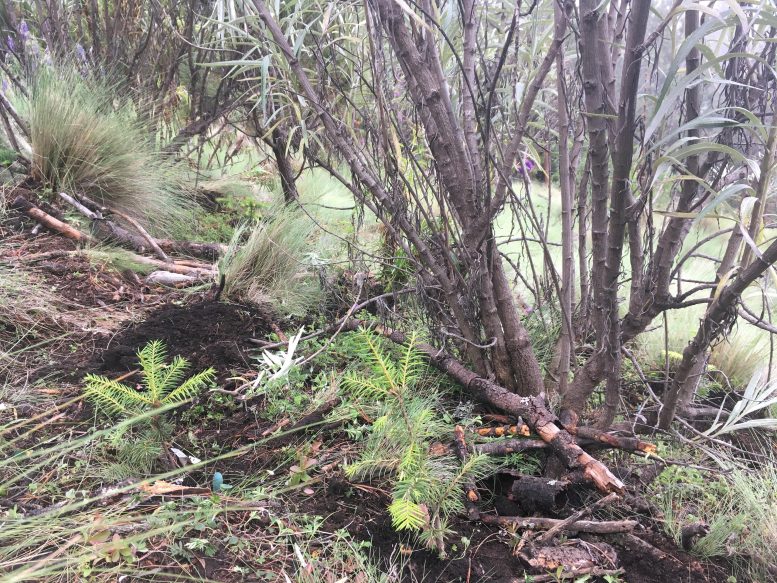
<point x="22" y="205"/>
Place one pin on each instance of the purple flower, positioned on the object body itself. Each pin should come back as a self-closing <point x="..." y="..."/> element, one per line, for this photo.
<point x="528" y="166"/>
<point x="81" y="52"/>
<point x="11" y="44"/>
<point x="24" y="30"/>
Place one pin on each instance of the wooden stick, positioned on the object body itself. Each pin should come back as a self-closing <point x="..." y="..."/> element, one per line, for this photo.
<point x="508" y="446"/>
<point x="610" y="440"/>
<point x="569" y="521"/>
<point x="169" y="278"/>
<point x="172" y="267"/>
<point x="541" y="523"/>
<point x="81" y="208"/>
<point x="22" y="205"/>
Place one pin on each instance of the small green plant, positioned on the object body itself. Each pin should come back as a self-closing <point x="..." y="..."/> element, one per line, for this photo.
<point x="7" y="156"/>
<point x="427" y="489"/>
<point x="137" y="449"/>
<point x="163" y="384"/>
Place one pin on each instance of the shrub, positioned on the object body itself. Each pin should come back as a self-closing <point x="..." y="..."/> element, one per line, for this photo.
<point x="84" y="141"/>
<point x="265" y="262"/>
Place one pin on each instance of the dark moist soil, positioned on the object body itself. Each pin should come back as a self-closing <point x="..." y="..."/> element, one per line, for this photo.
<point x="483" y="554"/>
<point x="207" y="333"/>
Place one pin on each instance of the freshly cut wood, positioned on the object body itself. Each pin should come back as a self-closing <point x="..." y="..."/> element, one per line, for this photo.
<point x="23" y="205"/>
<point x="531" y="409"/>
<point x="540" y="523"/>
<point x="517" y="429"/>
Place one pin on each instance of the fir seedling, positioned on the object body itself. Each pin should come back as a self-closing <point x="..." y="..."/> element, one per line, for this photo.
<point x="163" y="387"/>
<point x="427" y="489"/>
<point x="163" y="384"/>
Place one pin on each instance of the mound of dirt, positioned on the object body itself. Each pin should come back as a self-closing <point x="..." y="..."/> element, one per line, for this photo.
<point x="206" y="333"/>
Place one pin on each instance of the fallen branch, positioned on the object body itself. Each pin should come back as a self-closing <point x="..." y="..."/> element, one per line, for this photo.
<point x="143" y="233"/>
<point x="109" y="231"/>
<point x="610" y="440"/>
<point x="508" y="446"/>
<point x="533" y="409"/>
<point x="200" y="272"/>
<point x="541" y="523"/>
<point x="169" y="278"/>
<point x="575" y="518"/>
<point x="23" y="205"/>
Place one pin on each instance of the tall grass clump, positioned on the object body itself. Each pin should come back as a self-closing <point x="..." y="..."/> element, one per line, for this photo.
<point x="87" y="141"/>
<point x="265" y="263"/>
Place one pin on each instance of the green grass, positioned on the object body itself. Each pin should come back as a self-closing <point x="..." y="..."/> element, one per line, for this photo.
<point x="84" y="141"/>
<point x="266" y="263"/>
<point x="739" y="508"/>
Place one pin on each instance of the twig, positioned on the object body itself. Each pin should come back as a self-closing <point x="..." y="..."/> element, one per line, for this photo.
<point x="567" y="522"/>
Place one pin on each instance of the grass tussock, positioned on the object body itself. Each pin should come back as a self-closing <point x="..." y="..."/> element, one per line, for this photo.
<point x="266" y="262"/>
<point x="84" y="140"/>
